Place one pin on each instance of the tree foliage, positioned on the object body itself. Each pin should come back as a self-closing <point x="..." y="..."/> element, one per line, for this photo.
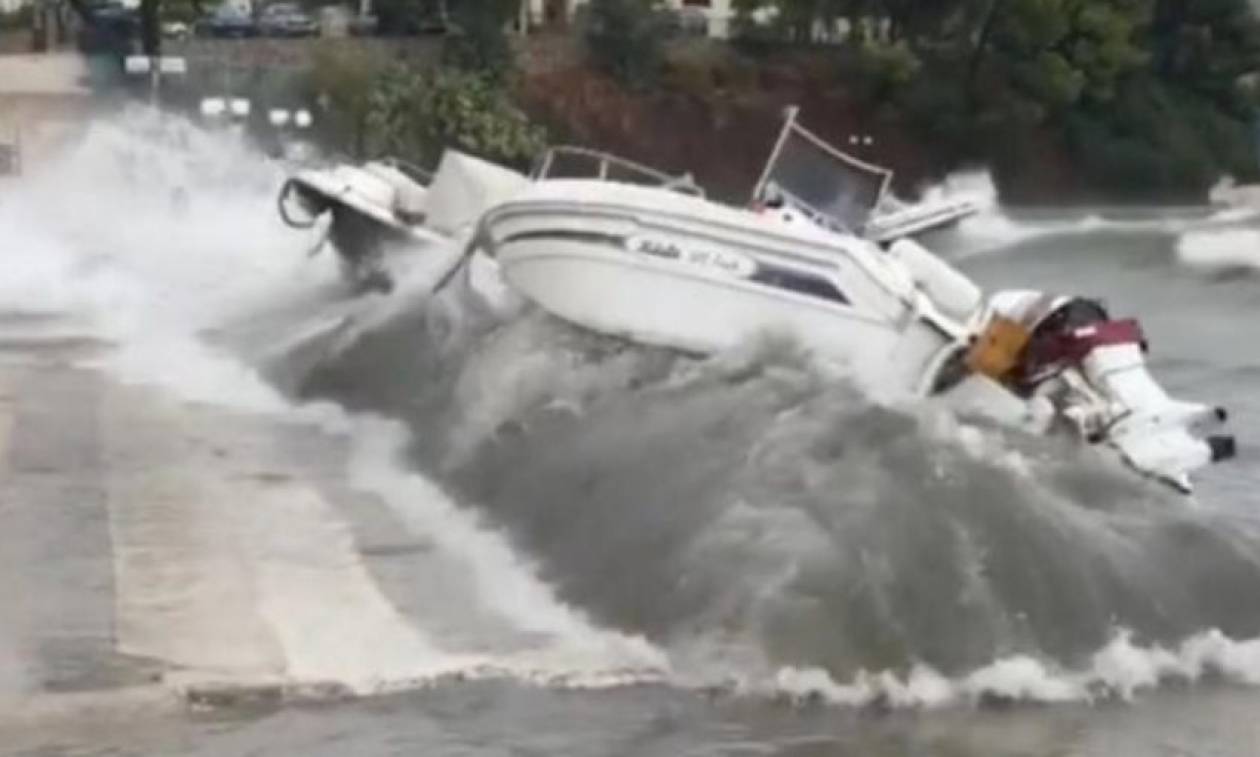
<point x="418" y="113"/>
<point x="1147" y="94"/>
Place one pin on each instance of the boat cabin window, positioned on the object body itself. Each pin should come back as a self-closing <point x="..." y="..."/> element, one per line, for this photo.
<point x="799" y="282"/>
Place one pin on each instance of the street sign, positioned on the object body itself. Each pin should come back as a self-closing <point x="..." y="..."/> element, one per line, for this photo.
<point x="143" y="64"/>
<point x="137" y="64"/>
<point x="177" y="66"/>
<point x="213" y="107"/>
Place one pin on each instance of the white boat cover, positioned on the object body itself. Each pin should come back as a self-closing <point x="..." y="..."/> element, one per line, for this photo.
<point x="464" y="188"/>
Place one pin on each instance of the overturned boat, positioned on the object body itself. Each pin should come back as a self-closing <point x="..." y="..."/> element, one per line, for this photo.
<point x="623" y="249"/>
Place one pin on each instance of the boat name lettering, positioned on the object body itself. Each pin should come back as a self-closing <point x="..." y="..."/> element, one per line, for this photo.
<point x="660" y="248"/>
<point x="731" y="263"/>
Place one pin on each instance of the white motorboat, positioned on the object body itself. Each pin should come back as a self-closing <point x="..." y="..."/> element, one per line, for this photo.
<point x="384" y="212"/>
<point x="625" y="250"/>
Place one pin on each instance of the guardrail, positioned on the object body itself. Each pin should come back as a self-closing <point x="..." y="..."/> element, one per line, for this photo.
<point x="594" y="164"/>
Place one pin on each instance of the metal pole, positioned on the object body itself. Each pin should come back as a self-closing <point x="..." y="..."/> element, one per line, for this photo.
<point x="789" y="123"/>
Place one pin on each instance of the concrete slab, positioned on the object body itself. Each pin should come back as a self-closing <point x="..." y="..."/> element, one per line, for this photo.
<point x="53" y="74"/>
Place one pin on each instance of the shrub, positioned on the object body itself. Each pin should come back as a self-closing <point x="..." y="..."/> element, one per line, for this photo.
<point x="419" y="113"/>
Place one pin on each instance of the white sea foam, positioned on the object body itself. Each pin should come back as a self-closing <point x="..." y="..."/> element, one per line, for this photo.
<point x="1122" y="670"/>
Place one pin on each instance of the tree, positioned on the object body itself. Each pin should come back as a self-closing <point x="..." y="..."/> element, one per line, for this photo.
<point x="151" y="27"/>
<point x="1205" y="46"/>
<point x="343" y="81"/>
<point x="478" y="40"/>
<point x="1057" y="52"/>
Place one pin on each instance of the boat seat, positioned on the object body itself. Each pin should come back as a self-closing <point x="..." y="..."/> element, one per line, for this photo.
<point x="952" y="292"/>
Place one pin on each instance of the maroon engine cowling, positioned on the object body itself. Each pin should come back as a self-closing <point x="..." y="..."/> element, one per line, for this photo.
<point x="1067" y="336"/>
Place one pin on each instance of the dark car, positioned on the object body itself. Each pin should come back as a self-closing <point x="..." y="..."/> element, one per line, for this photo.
<point x="286" y="20"/>
<point x="227" y="21"/>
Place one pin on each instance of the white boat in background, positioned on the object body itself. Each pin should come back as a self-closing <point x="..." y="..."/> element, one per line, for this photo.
<point x="622" y="249"/>
<point x="380" y="215"/>
<point x="897" y="220"/>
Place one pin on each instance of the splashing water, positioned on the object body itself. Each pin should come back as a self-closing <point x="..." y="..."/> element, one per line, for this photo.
<point x="996" y="228"/>
<point x="763" y="527"/>
<point x="161" y="240"/>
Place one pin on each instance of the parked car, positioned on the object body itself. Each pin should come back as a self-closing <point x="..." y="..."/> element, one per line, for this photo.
<point x="286" y="20"/>
<point x="228" y="21"/>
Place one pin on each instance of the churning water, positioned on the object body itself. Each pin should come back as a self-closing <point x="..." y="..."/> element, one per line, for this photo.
<point x="599" y="515"/>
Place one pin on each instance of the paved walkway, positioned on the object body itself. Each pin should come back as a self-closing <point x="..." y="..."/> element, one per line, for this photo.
<point x="152" y="548"/>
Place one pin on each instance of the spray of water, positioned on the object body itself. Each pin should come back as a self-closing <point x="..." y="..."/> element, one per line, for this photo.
<point x="161" y="239"/>
<point x="774" y="531"/>
<point x="617" y="514"/>
<point x="996" y="228"/>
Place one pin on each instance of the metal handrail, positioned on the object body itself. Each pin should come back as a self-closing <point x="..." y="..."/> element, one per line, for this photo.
<point x="603" y="161"/>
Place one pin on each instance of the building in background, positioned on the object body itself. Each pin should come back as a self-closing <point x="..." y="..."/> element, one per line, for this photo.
<point x="714" y="15"/>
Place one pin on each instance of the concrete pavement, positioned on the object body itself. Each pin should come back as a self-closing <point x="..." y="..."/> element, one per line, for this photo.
<point x="150" y="547"/>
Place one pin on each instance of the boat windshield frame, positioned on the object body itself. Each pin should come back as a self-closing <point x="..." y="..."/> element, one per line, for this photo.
<point x="766" y="184"/>
<point x="603" y="162"/>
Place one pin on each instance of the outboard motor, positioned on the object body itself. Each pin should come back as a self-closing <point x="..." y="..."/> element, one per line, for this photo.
<point x="1092" y="370"/>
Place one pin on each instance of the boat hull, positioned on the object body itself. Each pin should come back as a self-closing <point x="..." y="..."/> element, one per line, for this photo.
<point x="707" y="278"/>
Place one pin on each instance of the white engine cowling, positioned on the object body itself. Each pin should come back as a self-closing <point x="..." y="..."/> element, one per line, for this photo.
<point x="955" y="294"/>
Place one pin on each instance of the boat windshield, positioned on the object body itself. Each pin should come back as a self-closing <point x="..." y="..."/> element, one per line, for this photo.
<point x="580" y="163"/>
<point x="835" y="189"/>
